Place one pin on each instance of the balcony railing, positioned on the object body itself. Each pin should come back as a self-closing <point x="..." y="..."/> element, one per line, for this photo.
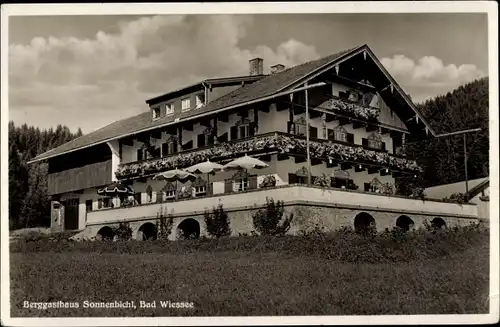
<point x="280" y="142"/>
<point x="353" y="109"/>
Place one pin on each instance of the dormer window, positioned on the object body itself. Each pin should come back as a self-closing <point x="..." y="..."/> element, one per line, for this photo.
<point x="186" y="104"/>
<point x="156" y="113"/>
<point x="200" y="100"/>
<point x="169" y="109"/>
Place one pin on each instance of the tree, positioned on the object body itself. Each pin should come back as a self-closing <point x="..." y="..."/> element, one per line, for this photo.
<point x="217" y="222"/>
<point x="443" y="158"/>
<point x="271" y="220"/>
<point x="18" y="178"/>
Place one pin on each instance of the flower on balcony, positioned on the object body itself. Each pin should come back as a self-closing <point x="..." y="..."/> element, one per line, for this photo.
<point x="279" y="142"/>
<point x="367" y="113"/>
<point x="323" y="181"/>
<point x="268" y="181"/>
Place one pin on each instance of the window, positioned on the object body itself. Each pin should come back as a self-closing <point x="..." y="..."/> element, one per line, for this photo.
<point x="169" y="109"/>
<point x="104" y="203"/>
<point x="149" y="194"/>
<point x="156" y="113"/>
<point x="169" y="194"/>
<point x="88" y="205"/>
<point x="240" y="185"/>
<point x="200" y="190"/>
<point x="168" y="148"/>
<point x="186" y="104"/>
<point x="340" y="134"/>
<point x="244" y="131"/>
<point x="374" y="141"/>
<point x="200" y="100"/>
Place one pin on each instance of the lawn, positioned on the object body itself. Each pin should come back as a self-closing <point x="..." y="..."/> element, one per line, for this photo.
<point x="236" y="278"/>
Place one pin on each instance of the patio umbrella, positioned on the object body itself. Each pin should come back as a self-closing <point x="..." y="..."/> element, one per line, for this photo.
<point x="206" y="167"/>
<point x="115" y="189"/>
<point x="175" y="175"/>
<point x="246" y="163"/>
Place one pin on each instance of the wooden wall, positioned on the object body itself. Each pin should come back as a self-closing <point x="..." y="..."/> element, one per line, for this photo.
<point x="92" y="175"/>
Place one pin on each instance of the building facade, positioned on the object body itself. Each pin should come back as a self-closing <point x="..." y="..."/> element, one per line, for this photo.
<point x="345" y="108"/>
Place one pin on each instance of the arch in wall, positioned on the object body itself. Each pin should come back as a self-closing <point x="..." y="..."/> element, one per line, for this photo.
<point x="438" y="223"/>
<point x="364" y="223"/>
<point x="405" y="223"/>
<point x="188" y="229"/>
<point x="105" y="234"/>
<point x="147" y="232"/>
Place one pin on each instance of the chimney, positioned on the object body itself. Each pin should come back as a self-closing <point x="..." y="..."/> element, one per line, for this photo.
<point x="277" y="68"/>
<point x="256" y="66"/>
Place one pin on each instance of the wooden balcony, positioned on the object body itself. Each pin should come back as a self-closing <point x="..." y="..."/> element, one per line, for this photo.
<point x="70" y="180"/>
<point x="275" y="142"/>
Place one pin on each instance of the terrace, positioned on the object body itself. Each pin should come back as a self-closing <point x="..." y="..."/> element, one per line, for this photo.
<point x="291" y="195"/>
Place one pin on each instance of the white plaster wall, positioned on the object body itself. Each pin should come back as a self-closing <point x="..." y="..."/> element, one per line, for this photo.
<point x="296" y="193"/>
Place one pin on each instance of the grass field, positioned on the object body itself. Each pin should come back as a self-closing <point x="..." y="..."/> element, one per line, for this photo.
<point x="257" y="276"/>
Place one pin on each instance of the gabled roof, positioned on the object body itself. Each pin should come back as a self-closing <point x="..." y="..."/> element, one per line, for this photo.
<point x="200" y="85"/>
<point x="445" y="190"/>
<point x="260" y="90"/>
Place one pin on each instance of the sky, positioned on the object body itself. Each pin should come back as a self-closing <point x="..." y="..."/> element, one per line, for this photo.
<point x="89" y="71"/>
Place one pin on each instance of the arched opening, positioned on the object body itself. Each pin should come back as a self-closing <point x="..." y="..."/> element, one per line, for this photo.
<point x="148" y="232"/>
<point x="105" y="234"/>
<point x="405" y="223"/>
<point x="364" y="223"/>
<point x="438" y="223"/>
<point x="188" y="229"/>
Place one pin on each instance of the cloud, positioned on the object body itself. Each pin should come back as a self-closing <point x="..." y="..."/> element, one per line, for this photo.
<point x="429" y="76"/>
<point x="111" y="75"/>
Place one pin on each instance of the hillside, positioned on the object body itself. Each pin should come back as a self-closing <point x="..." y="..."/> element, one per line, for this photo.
<point x="443" y="158"/>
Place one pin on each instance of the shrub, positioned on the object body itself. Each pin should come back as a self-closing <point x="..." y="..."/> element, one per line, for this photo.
<point x="164" y="224"/>
<point x="123" y="232"/>
<point x="455" y="198"/>
<point x="271" y="220"/>
<point x="418" y="193"/>
<point x="269" y="181"/>
<point x="217" y="222"/>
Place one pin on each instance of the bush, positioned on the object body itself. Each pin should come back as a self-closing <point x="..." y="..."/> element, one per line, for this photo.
<point x="418" y="193"/>
<point x="123" y="232"/>
<point x="322" y="181"/>
<point x="455" y="198"/>
<point x="164" y="224"/>
<point x="217" y="222"/>
<point x="270" y="221"/>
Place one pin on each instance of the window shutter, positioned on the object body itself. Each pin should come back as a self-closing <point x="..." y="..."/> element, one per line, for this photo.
<point x="292" y="179"/>
<point x="99" y="204"/>
<point x="164" y="149"/>
<point x="159" y="197"/>
<point x="313" y="132"/>
<point x="330" y="135"/>
<point x="211" y="140"/>
<point x="313" y="178"/>
<point x="252" y="182"/>
<point x="350" y="138"/>
<point x="383" y="146"/>
<point x="251" y="129"/>
<point x="367" y="187"/>
<point x="234" y="133"/>
<point x="290" y="128"/>
<point x="364" y="141"/>
<point x="201" y="140"/>
<point x="175" y="147"/>
<point x="139" y="154"/>
<point x="210" y="189"/>
<point x="222" y="138"/>
<point x="228" y="185"/>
